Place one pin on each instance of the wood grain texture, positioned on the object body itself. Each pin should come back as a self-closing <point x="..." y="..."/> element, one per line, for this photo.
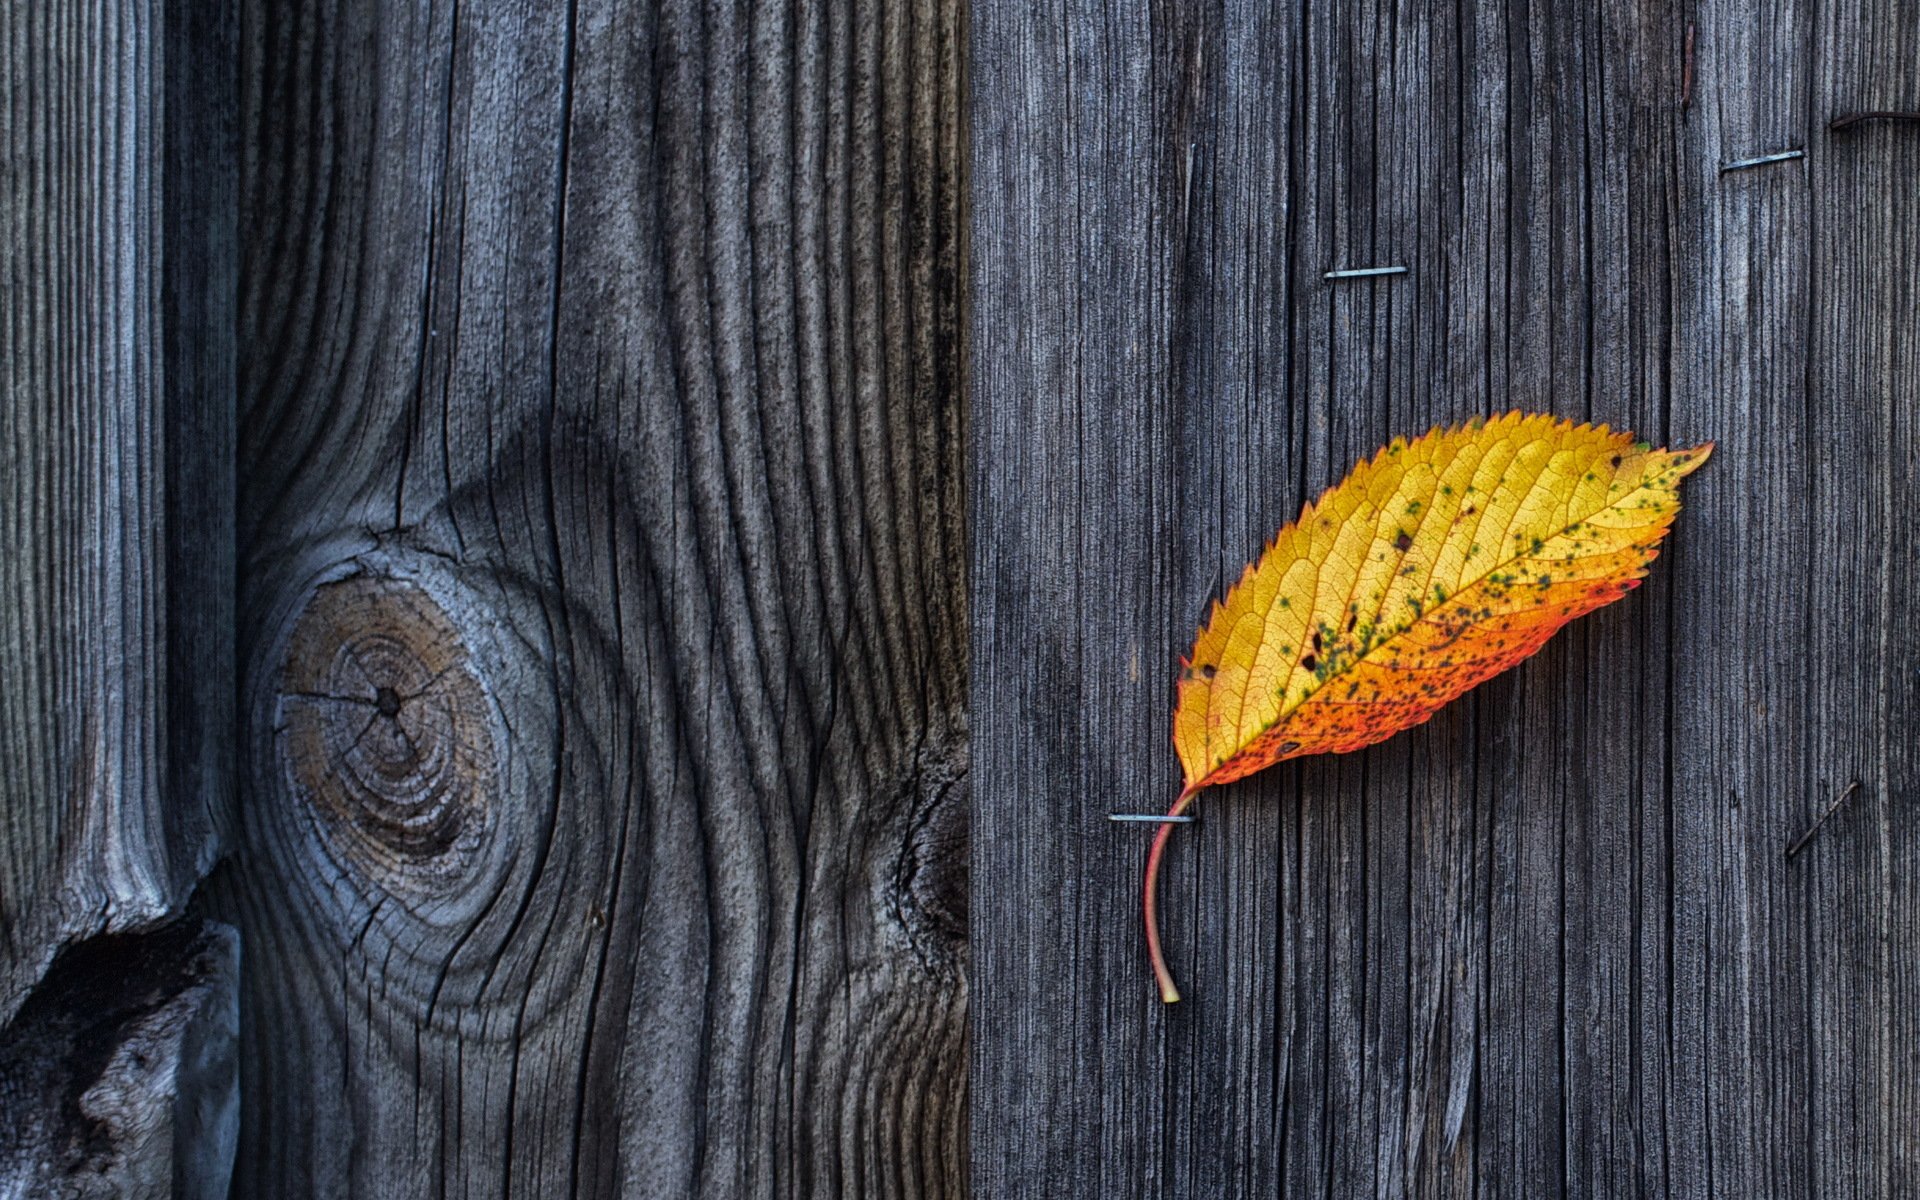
<point x="116" y="443"/>
<point x="119" y="1075"/>
<point x="602" y="600"/>
<point x="1549" y="944"/>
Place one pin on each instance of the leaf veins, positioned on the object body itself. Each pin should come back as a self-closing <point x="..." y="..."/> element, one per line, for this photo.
<point x="1437" y="564"/>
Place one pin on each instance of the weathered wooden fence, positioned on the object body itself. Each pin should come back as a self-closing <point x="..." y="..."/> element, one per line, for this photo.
<point x="489" y="495"/>
<point x="1550" y="943"/>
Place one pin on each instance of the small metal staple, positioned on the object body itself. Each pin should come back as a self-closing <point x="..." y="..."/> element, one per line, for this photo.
<point x="1740" y="164"/>
<point x="1852" y="119"/>
<point x="1800" y="843"/>
<point x="1153" y="818"/>
<point x="1364" y="272"/>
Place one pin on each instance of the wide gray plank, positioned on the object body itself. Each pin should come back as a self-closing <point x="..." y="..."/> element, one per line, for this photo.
<point x="602" y="601"/>
<point x="1550" y="943"/>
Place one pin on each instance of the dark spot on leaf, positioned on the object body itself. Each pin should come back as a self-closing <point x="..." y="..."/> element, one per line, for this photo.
<point x="1404" y="542"/>
<point x="1207" y="671"/>
<point x="1317" y="643"/>
<point x="1310" y="662"/>
<point x="1351" y="619"/>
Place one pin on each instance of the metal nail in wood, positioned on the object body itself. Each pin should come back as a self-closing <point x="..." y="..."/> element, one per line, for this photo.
<point x="1364" y="272"/>
<point x="1741" y="164"/>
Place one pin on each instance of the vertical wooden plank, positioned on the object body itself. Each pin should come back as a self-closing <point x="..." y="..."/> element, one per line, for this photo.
<point x="117" y="1066"/>
<point x="1610" y="774"/>
<point x="1548" y="944"/>
<point x="116" y="463"/>
<point x="1744" y="738"/>
<point x="1080" y="152"/>
<point x="1853" y="885"/>
<point x="602" y="600"/>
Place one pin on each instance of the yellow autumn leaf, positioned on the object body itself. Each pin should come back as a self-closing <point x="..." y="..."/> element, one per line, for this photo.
<point x="1439" y="563"/>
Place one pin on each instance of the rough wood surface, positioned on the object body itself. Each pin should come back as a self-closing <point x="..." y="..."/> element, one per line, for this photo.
<point x="116" y="418"/>
<point x="118" y="1076"/>
<point x="1551" y="943"/>
<point x="602" y="601"/>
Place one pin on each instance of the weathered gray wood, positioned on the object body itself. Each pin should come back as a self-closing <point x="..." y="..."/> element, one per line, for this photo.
<point x="116" y="557"/>
<point x="118" y="1076"/>
<point x="1549" y="944"/>
<point x="602" y="600"/>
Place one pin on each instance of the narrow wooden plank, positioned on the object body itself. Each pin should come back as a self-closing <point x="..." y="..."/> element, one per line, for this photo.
<point x="116" y="348"/>
<point x="1852" y="888"/>
<point x="1743" y="740"/>
<point x="603" y="600"/>
<point x="1548" y="944"/>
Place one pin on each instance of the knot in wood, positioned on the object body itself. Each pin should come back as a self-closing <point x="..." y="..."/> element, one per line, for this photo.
<point x="931" y="878"/>
<point x="386" y="732"/>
